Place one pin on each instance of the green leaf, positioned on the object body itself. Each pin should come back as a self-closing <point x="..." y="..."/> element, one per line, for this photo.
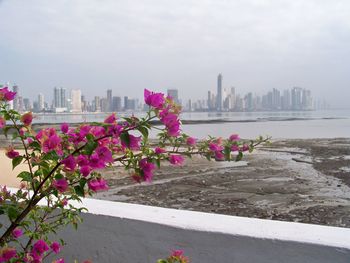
<point x="16" y="161"/>
<point x="227" y="152"/>
<point x="82" y="182"/>
<point x="79" y="190"/>
<point x="124" y="137"/>
<point x="51" y="156"/>
<point x="26" y="176"/>
<point x="239" y="156"/>
<point x="12" y="213"/>
<point x="158" y="162"/>
<point x="144" y="131"/>
<point x="162" y="261"/>
<point x="90" y="147"/>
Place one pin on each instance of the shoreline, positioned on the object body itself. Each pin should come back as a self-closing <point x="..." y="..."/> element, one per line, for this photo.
<point x="300" y="180"/>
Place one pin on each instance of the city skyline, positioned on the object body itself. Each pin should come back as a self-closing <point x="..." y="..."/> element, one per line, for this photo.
<point x="129" y="46"/>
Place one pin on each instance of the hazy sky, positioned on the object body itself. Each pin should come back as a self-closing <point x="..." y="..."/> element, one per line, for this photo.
<point x="257" y="45"/>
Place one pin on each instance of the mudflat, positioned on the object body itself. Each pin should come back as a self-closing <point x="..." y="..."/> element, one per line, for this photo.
<point x="291" y="180"/>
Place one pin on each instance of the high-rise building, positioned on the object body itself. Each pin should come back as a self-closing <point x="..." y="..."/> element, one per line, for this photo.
<point x="286" y="100"/>
<point x="60" y="98"/>
<point x="16" y="99"/>
<point x="116" y="103"/>
<point x="219" y="94"/>
<point x="296" y="98"/>
<point x="174" y="94"/>
<point x="76" y="100"/>
<point x="41" y="102"/>
<point x="109" y="100"/>
<point x="97" y="104"/>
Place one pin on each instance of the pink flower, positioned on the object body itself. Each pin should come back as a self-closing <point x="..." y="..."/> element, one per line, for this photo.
<point x="60" y="260"/>
<point x="64" y="202"/>
<point x="98" y="131"/>
<point x="49" y="140"/>
<point x="69" y="163"/>
<point x="104" y="154"/>
<point x="95" y="162"/>
<point x="219" y="156"/>
<point x="171" y="122"/>
<point x="2" y="122"/>
<point x="147" y="169"/>
<point x="55" y="246"/>
<point x="8" y="253"/>
<point x="111" y="118"/>
<point x="215" y="147"/>
<point x="159" y="150"/>
<point x="82" y="160"/>
<point x="27" y="118"/>
<point x="245" y="148"/>
<point x="40" y="247"/>
<point x="176" y="159"/>
<point x="64" y="128"/>
<point x="97" y="184"/>
<point x="85" y="170"/>
<point x="115" y="129"/>
<point x="155" y="100"/>
<point x="234" y="137"/>
<point x="134" y="142"/>
<point x="136" y="178"/>
<point x="191" y="141"/>
<point x="60" y="184"/>
<point x="11" y="153"/>
<point x="177" y="253"/>
<point x="17" y="232"/>
<point x="234" y="148"/>
<point x="6" y="94"/>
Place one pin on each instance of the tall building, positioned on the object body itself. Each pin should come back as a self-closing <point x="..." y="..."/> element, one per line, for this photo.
<point x="116" y="103"/>
<point x="41" y="102"/>
<point x="16" y="105"/>
<point x="97" y="104"/>
<point x="296" y="98"/>
<point x="60" y="98"/>
<point x="174" y="94"/>
<point x="286" y="100"/>
<point x="219" y="94"/>
<point x="109" y="100"/>
<point x="76" y="100"/>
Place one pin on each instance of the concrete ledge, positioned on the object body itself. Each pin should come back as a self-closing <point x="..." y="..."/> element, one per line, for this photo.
<point x="121" y="232"/>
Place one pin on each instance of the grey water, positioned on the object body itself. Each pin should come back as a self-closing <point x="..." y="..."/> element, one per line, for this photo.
<point x="277" y="124"/>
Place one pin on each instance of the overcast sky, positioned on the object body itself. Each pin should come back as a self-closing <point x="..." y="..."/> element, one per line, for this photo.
<point x="126" y="46"/>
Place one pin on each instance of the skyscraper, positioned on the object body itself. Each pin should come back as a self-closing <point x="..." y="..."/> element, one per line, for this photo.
<point x="76" y="100"/>
<point x="219" y="94"/>
<point x="174" y="93"/>
<point x="16" y="99"/>
<point x="41" y="102"/>
<point x="60" y="99"/>
<point x="109" y="100"/>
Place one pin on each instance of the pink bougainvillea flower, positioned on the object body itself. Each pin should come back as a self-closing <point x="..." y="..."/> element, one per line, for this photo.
<point x="234" y="148"/>
<point x="6" y="94"/>
<point x="49" y="140"/>
<point x="2" y="122"/>
<point x="153" y="99"/>
<point x="134" y="142"/>
<point x="234" y="137"/>
<point x="176" y="159"/>
<point x="215" y="147"/>
<point x="111" y="118"/>
<point x="27" y="118"/>
<point x="177" y="253"/>
<point x="60" y="184"/>
<point x="98" y="131"/>
<point x="17" y="232"/>
<point x="159" y="150"/>
<point x="190" y="141"/>
<point x="64" y="128"/>
<point x="171" y="122"/>
<point x="97" y="184"/>
<point x="147" y="169"/>
<point x="69" y="163"/>
<point x="104" y="154"/>
<point x="136" y="178"/>
<point x="115" y="129"/>
<point x="219" y="156"/>
<point x="82" y="160"/>
<point x="11" y="153"/>
<point x="245" y="147"/>
<point x="8" y="253"/>
<point x="64" y="202"/>
<point x="85" y="170"/>
<point x="55" y="246"/>
<point x="40" y="247"/>
<point x="95" y="162"/>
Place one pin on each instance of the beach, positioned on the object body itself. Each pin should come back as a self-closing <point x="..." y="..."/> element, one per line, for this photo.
<point x="290" y="180"/>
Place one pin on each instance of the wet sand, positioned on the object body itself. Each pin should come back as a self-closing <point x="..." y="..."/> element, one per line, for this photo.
<point x="291" y="180"/>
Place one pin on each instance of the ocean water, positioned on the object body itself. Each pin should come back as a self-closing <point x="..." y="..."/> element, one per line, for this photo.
<point x="279" y="124"/>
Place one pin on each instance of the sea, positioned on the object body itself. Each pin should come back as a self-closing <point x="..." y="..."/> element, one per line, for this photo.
<point x="277" y="124"/>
